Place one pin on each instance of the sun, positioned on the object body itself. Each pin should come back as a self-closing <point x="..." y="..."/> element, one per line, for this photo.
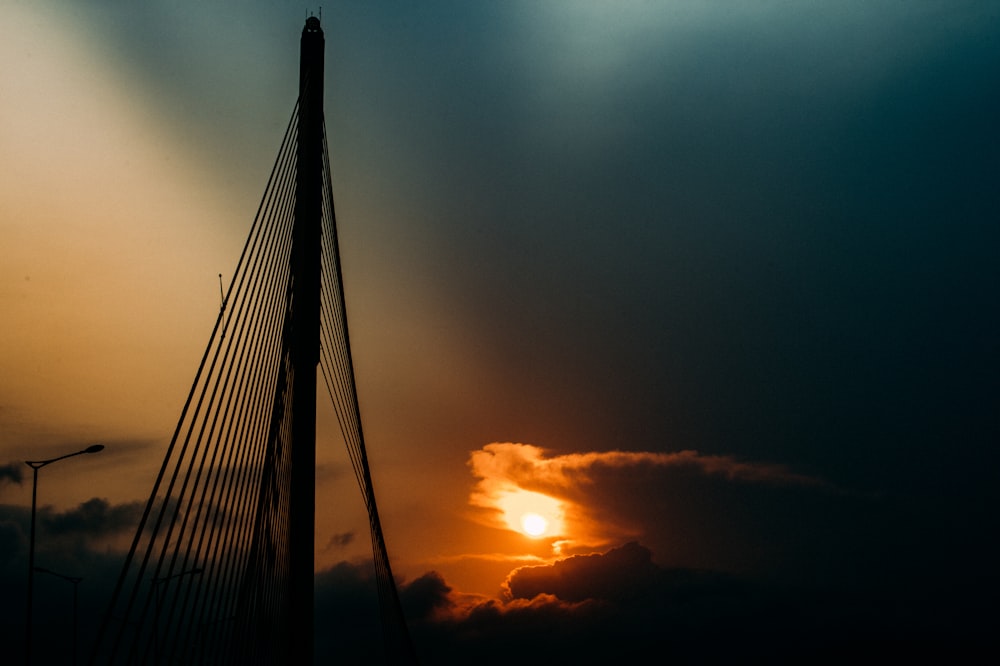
<point x="533" y="524"/>
<point x="533" y="514"/>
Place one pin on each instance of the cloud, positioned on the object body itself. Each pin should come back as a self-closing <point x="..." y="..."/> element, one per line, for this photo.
<point x="684" y="503"/>
<point x="504" y="463"/>
<point x="11" y="472"/>
<point x="427" y="597"/>
<point x="82" y="542"/>
<point x="95" y="517"/>
<point x="619" y="606"/>
<point x="347" y="604"/>
<point x="604" y="607"/>
<point x="67" y="535"/>
<point x="613" y="606"/>
<point x="619" y="572"/>
<point x="12" y="541"/>
<point x="340" y="540"/>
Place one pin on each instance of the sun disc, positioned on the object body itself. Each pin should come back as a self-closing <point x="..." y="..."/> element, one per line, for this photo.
<point x="534" y="524"/>
<point x="530" y="513"/>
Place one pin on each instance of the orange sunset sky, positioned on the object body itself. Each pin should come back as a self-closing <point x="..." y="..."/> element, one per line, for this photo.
<point x="700" y="291"/>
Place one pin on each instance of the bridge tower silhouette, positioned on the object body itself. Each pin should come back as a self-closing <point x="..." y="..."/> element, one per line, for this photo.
<point x="221" y="567"/>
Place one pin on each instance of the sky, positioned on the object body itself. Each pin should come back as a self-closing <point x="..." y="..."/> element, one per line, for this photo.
<point x="709" y="287"/>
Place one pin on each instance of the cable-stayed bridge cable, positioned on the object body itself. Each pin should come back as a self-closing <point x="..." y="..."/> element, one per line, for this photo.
<point x="207" y="577"/>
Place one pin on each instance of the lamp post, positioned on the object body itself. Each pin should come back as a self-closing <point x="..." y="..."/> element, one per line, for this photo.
<point x="156" y="606"/>
<point x="76" y="583"/>
<point x="36" y="465"/>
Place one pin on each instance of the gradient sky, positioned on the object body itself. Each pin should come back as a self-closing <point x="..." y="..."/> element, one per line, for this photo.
<point x="718" y="279"/>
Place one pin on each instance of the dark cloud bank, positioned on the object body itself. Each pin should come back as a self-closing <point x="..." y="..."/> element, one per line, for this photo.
<point x="80" y="542"/>
<point x="621" y="607"/>
<point x="727" y="570"/>
<point x="616" y="606"/>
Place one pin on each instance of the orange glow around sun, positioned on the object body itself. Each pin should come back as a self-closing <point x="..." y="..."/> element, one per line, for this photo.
<point x="533" y="514"/>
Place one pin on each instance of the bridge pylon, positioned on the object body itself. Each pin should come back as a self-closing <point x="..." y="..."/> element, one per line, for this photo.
<point x="306" y="276"/>
<point x="221" y="569"/>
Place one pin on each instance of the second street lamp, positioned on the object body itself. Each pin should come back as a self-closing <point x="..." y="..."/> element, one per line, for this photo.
<point x="36" y="465"/>
<point x="156" y="606"/>
<point x="76" y="583"/>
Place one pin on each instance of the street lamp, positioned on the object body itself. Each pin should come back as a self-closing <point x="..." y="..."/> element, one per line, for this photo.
<point x="76" y="583"/>
<point x="156" y="606"/>
<point x="36" y="465"/>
